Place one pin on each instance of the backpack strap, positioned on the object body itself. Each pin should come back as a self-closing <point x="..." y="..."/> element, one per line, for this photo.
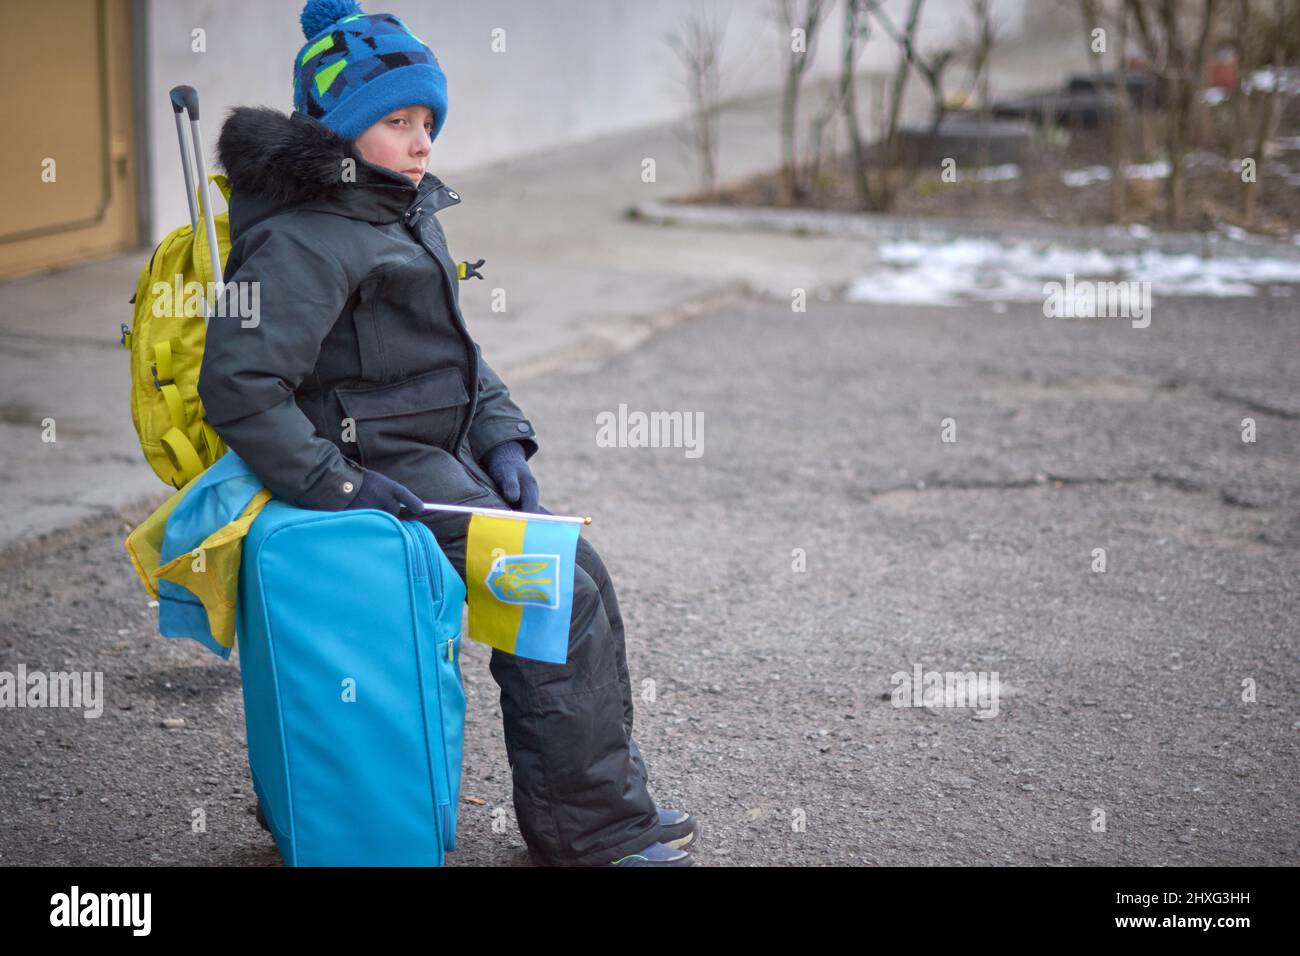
<point x="181" y="453"/>
<point x="176" y="442"/>
<point x="222" y="183"/>
<point x="211" y="440"/>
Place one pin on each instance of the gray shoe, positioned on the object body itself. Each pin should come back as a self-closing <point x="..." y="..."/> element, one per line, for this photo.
<point x="677" y="829"/>
<point x="656" y="854"/>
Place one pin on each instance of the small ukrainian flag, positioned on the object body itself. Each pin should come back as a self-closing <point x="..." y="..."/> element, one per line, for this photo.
<point x="519" y="584"/>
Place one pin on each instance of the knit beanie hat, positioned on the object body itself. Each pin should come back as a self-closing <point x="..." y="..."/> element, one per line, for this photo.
<point x="356" y="68"/>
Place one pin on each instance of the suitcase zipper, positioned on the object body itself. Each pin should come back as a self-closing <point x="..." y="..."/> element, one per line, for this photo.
<point x="426" y="537"/>
<point x="421" y="558"/>
<point x="428" y="548"/>
<point x="418" y="537"/>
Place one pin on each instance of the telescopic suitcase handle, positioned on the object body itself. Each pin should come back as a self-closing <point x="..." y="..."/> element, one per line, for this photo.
<point x="185" y="99"/>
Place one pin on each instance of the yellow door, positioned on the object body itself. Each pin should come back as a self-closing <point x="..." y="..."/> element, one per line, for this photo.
<point x="67" y="172"/>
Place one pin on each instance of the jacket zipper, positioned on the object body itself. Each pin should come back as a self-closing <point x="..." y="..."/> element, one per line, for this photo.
<point x="411" y="217"/>
<point x="411" y="223"/>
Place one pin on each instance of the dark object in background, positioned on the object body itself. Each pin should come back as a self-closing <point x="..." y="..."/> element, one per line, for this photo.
<point x="1143" y="90"/>
<point x="967" y="139"/>
<point x="1087" y="108"/>
<point x="1085" y="100"/>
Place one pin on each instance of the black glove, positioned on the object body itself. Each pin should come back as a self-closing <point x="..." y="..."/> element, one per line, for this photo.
<point x="384" y="494"/>
<point x="506" y="464"/>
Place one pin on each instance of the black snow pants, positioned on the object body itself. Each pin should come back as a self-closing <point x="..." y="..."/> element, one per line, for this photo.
<point x="580" y="785"/>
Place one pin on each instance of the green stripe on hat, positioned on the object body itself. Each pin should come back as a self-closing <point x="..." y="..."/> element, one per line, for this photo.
<point x="323" y="43"/>
<point x="326" y="76"/>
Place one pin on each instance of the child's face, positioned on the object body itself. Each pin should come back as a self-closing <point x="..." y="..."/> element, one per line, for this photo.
<point x="400" y="141"/>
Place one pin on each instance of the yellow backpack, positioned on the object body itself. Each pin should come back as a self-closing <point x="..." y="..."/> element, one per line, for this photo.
<point x="166" y="345"/>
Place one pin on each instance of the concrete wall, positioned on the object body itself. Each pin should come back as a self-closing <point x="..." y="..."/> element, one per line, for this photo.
<point x="571" y="69"/>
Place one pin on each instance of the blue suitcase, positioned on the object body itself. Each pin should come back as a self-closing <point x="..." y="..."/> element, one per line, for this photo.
<point x="349" y="628"/>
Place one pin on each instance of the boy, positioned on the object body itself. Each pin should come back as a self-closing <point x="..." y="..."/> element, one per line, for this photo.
<point x="361" y="387"/>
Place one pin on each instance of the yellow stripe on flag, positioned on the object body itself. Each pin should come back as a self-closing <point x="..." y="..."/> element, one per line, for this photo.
<point x="491" y="622"/>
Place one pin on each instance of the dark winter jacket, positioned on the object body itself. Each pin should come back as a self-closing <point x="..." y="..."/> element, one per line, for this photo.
<point x="360" y="355"/>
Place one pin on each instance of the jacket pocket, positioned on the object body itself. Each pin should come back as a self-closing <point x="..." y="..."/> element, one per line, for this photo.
<point x="394" y="421"/>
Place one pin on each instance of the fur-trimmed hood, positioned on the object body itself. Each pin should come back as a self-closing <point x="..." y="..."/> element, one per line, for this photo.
<point x="282" y="157"/>
<point x="274" y="159"/>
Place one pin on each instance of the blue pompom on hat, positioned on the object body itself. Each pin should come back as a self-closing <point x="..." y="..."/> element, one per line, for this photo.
<point x="356" y="68"/>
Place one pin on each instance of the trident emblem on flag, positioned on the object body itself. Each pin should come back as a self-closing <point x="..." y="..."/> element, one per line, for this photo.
<point x="526" y="579"/>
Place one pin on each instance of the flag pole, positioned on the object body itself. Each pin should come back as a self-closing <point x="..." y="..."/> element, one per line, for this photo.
<point x="502" y="513"/>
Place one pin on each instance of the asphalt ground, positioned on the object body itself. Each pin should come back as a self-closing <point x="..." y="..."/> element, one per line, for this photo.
<point x="826" y="539"/>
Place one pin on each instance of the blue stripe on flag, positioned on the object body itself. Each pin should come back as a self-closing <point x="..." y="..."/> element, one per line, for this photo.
<point x="544" y="631"/>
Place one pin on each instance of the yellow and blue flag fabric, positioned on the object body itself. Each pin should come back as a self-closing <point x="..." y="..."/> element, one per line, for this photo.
<point x="188" y="552"/>
<point x="519" y="585"/>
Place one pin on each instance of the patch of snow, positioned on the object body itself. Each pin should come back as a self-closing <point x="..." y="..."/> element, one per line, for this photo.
<point x="998" y="173"/>
<point x="1076" y="178"/>
<point x="1286" y="81"/>
<point x="962" y="270"/>
<point x="1157" y="170"/>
